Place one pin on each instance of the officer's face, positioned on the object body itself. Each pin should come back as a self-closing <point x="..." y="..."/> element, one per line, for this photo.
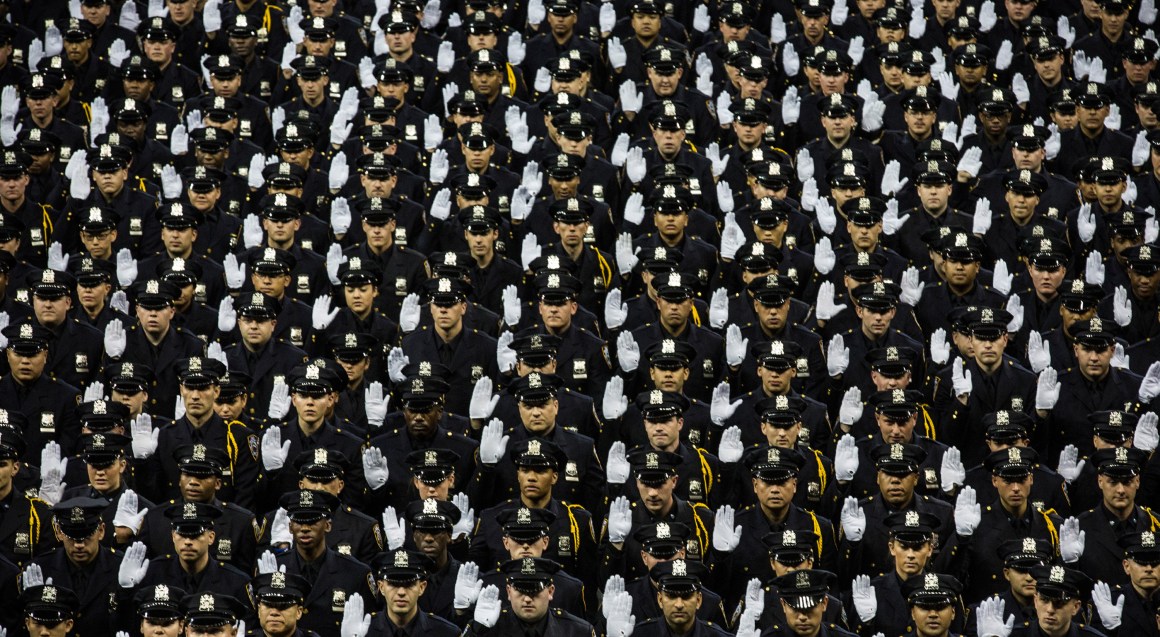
<point x="897" y="489"/>
<point x="440" y="491"/>
<point x="1070" y="317"/>
<point x="1013" y="492"/>
<point x="1045" y="281"/>
<point x="805" y="622"/>
<point x="664" y="84"/>
<point x="230" y="408"/>
<point x="309" y="536"/>
<point x="199" y="400"/>
<point x="557" y="316"/>
<point x="674" y="314"/>
<point x="256" y="332"/>
<point x="519" y="549"/>
<point x="1021" y="581"/>
<point x="191" y="549"/>
<point x="1110" y="195"/>
<point x="447" y="317"/>
<point x="96" y="14"/>
<point x="160" y="627"/>
<point x="320" y="47"/>
<point x="421" y="424"/>
<point x="355" y="370"/>
<point x="561" y="25"/>
<point x="1055" y="615"/>
<point x="378" y="186"/>
<point x="523" y="368"/>
<point x="772" y="317"/>
<point x="564" y="188"/>
<point x="402" y="598"/>
<point x="571" y="234"/>
<point x="989" y="352"/>
<point x="77" y="52"/>
<point x="540" y="417"/>
<point x="1145" y="575"/>
<point x="27" y="368"/>
<point x="575" y="147"/>
<point x="281" y="231"/>
<point x="1092" y="119"/>
<point x="875" y="323"/>
<point x="776" y="381"/>
<point x="134" y="401"/>
<point x="216" y="631"/>
<point x="657" y="496"/>
<point x="37" y="629"/>
<point x="243" y="47"/>
<point x="486" y="83"/>
<point x="379" y="235"/>
<point x="92" y="296"/>
<point x="665" y="434"/>
<point x="110" y="182"/>
<point x="99" y="243"/>
<point x="1119" y="493"/>
<point x="883" y="383"/>
<point x="360" y="298"/>
<point x="536" y="482"/>
<point x="400" y="43"/>
<point x="1094" y="362"/>
<point x="159" y="51"/>
<point x="919" y="123"/>
<point x="838" y="128"/>
<point x="680" y="610"/>
<point x="312" y="409"/>
<point x="646" y="25"/>
<point x="896" y="430"/>
<point x="960" y="274"/>
<point x="198" y="488"/>
<point x="155" y="321"/>
<point x="671" y="225"/>
<point x="225" y="86"/>
<point x="279" y="619"/>
<point x="12" y="189"/>
<point x="81" y="551"/>
<point x="774" y="495"/>
<point x="910" y="557"/>
<point x="204" y="201"/>
<point x="1144" y="286"/>
<point x="106" y="477"/>
<point x="932" y="620"/>
<point x="669" y="378"/>
<point x="313" y="89"/>
<point x="477" y="41"/>
<point x="433" y="544"/>
<point x="530" y="607"/>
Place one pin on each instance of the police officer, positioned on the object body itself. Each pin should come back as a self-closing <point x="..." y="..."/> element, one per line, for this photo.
<point x="49" y="610"/>
<point x="212" y="611"/>
<point x="402" y="577"/>
<point x="262" y="355"/>
<point x="662" y="542"/>
<point x="1116" y="515"/>
<point x="155" y="610"/>
<point x="530" y="590"/>
<point x="28" y="389"/>
<point x="191" y="566"/>
<point x="1059" y="593"/>
<point x="77" y="347"/>
<point x="278" y="598"/>
<point x="679" y="585"/>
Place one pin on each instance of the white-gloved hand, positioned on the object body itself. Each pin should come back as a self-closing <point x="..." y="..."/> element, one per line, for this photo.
<point x="791" y="106"/>
<point x="279" y="401"/>
<point x="805" y="165"/>
<point x="1071" y="540"/>
<point x="846" y="460"/>
<point x="1047" y="389"/>
<point x="1002" y="278"/>
<point x="144" y="436"/>
<point x="492" y="442"/>
<point x="409" y="313"/>
<point x="1085" y="225"/>
<point x="824" y="257"/>
<point x="620" y="621"/>
<point x="129" y="512"/>
<point x="1121" y="307"/>
<point x="726" y="536"/>
<point x="981" y="220"/>
<point x="95" y="390"/>
<point x="892" y="181"/>
<point x="615" y="311"/>
<point x="952" y="473"/>
<point x="719" y="308"/>
<point x="1037" y="353"/>
<point x="133" y="566"/>
<point x="1150" y="386"/>
<point x="827" y="308"/>
<point x="118" y="301"/>
<point x="530" y="250"/>
<point x="617" y="56"/>
<point x="439" y="167"/>
<point x="873" y="112"/>
<point x="971" y="162"/>
<point x="521" y="204"/>
<point x="1097" y="73"/>
<point x="1064" y="30"/>
<point x="735" y="346"/>
<point x="619" y="150"/>
<point x="810" y="195"/>
<point x="536" y="12"/>
<point x="619" y="520"/>
<point x="987" y="16"/>
<point x="505" y="356"/>
<point x="444" y="62"/>
<point x="851" y="409"/>
<point x="720" y="408"/>
<point x="837" y="356"/>
<point x="543" y="81"/>
<point x="487" y="608"/>
<point x="1015" y="307"/>
<point x="864" y="597"/>
<point x="912" y="287"/>
<point x="334" y="259"/>
<point x="827" y="219"/>
<point x="607" y="17"/>
<point x="376" y="403"/>
<point x="634" y="210"/>
<point x="33" y="575"/>
<point x="394" y="528"/>
<point x="856" y="49"/>
<point x="962" y="380"/>
<point x="1111" y="613"/>
<point x="1147" y="437"/>
<point x="627" y="352"/>
<point x="115" y="338"/>
<point x="730" y="449"/>
<point x="516" y="49"/>
<point x="321" y="316"/>
<point x="340" y="216"/>
<point x="483" y="402"/>
<point x="1054" y="141"/>
<point x="701" y="19"/>
<point x="777" y="29"/>
<point x="466" y="524"/>
<point x="717" y="163"/>
<point x="375" y="468"/>
<point x="252" y="233"/>
<point x="274" y="451"/>
<point x="634" y="166"/>
<point x="355" y="623"/>
<point x="432" y="13"/>
<point x="989" y="619"/>
<point x="614" y="403"/>
<point x="1070" y="465"/>
<point x="1094" y="269"/>
<point x="1147" y="15"/>
<point x="618" y="469"/>
<point x="853" y="520"/>
<point x="626" y="258"/>
<point x="891" y="222"/>
<point x="791" y="62"/>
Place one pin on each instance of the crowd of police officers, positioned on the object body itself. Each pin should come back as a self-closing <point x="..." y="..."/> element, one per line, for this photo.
<point x="383" y="318"/>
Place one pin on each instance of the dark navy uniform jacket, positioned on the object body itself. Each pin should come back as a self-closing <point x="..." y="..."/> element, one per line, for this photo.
<point x="335" y="578"/>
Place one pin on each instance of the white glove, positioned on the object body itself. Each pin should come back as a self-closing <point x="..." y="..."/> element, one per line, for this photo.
<point x="620" y="622"/>
<point x="989" y="619"/>
<point x="701" y="19"/>
<point x="483" y="403"/>
<point x="981" y="220"/>
<point x="133" y="566"/>
<point x="118" y="301"/>
<point x="274" y="451"/>
<point x="80" y="187"/>
<point x="987" y="17"/>
<point x="444" y="61"/>
<point x="1047" y="389"/>
<point x="872" y="113"/>
<point x="1131" y="192"/>
<point x="321" y="315"/>
<point x="791" y="64"/>
<point x="536" y="13"/>
<point x="952" y="472"/>
<point x="851" y="409"/>
<point x="971" y="162"/>
<point x="1070" y="465"/>
<point x="340" y="216"/>
<point x="375" y="468"/>
<point x="615" y="403"/>
<point x="717" y="163"/>
<point x="1064" y="30"/>
<point x="626" y="258"/>
<point x="719" y="308"/>
<point x="432" y="132"/>
<point x="95" y="390"/>
<point x="1122" y="308"/>
<point x="543" y="81"/>
<point x="1147" y="16"/>
<point x="810" y="196"/>
<point x="891" y="181"/>
<point x="355" y="623"/>
<point x="492" y="443"/>
<point x="720" y="409"/>
<point x="891" y="222"/>
<point x="824" y="257"/>
<point x="1094" y="269"/>
<point x="1111" y="614"/>
<point x="334" y="259"/>
<point x="607" y="17"/>
<point x="827" y="220"/>
<point x="633" y="211"/>
<point x="1081" y="65"/>
<point x="144" y="436"/>
<point x="853" y="519"/>
<point x="487" y="609"/>
<point x="627" y="352"/>
<point x="376" y="402"/>
<point x="856" y="49"/>
<point x="1015" y="307"/>
<point x="912" y="287"/>
<point x="864" y="597"/>
<point x="1141" y="149"/>
<point x="467" y="586"/>
<point x="118" y="53"/>
<point x="1097" y="73"/>
<point x="724" y="114"/>
<point x="521" y="203"/>
<point x="280" y="528"/>
<point x="619" y="149"/>
<point x="826" y="308"/>
<point x="917" y="27"/>
<point x="1150" y="386"/>
<point x="178" y="138"/>
<point x="1054" y="141"/>
<point x="254" y="178"/>
<point x="289" y="52"/>
<point x="618" y="468"/>
<point x="1001" y="280"/>
<point x="962" y="381"/>
<point x="297" y="33"/>
<point x="170" y="183"/>
<point x="409" y="313"/>
<point x="505" y="356"/>
<point x="432" y="13"/>
<point x="805" y="165"/>
<point x="617" y="56"/>
<point x="1037" y="353"/>
<point x="726" y="536"/>
<point x="366" y="72"/>
<point x="777" y="29"/>
<point x="846" y="459"/>
<point x="516" y="49"/>
<point x="837" y="356"/>
<point x="619" y="520"/>
<point x="115" y="338"/>
<point x="615" y="311"/>
<point x="396" y="362"/>
<point x="522" y="143"/>
<point x="466" y="524"/>
<point x="52" y="482"/>
<point x="1147" y="437"/>
<point x="1004" y="56"/>
<point x="735" y="346"/>
<point x="791" y="106"/>
<point x="279" y="401"/>
<point x="33" y="575"/>
<point x="439" y="166"/>
<point x="53" y="41"/>
<point x="129" y="512"/>
<point x="394" y="528"/>
<point x="730" y="449"/>
<point x="252" y="231"/>
<point x="634" y="166"/>
<point x="1071" y="541"/>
